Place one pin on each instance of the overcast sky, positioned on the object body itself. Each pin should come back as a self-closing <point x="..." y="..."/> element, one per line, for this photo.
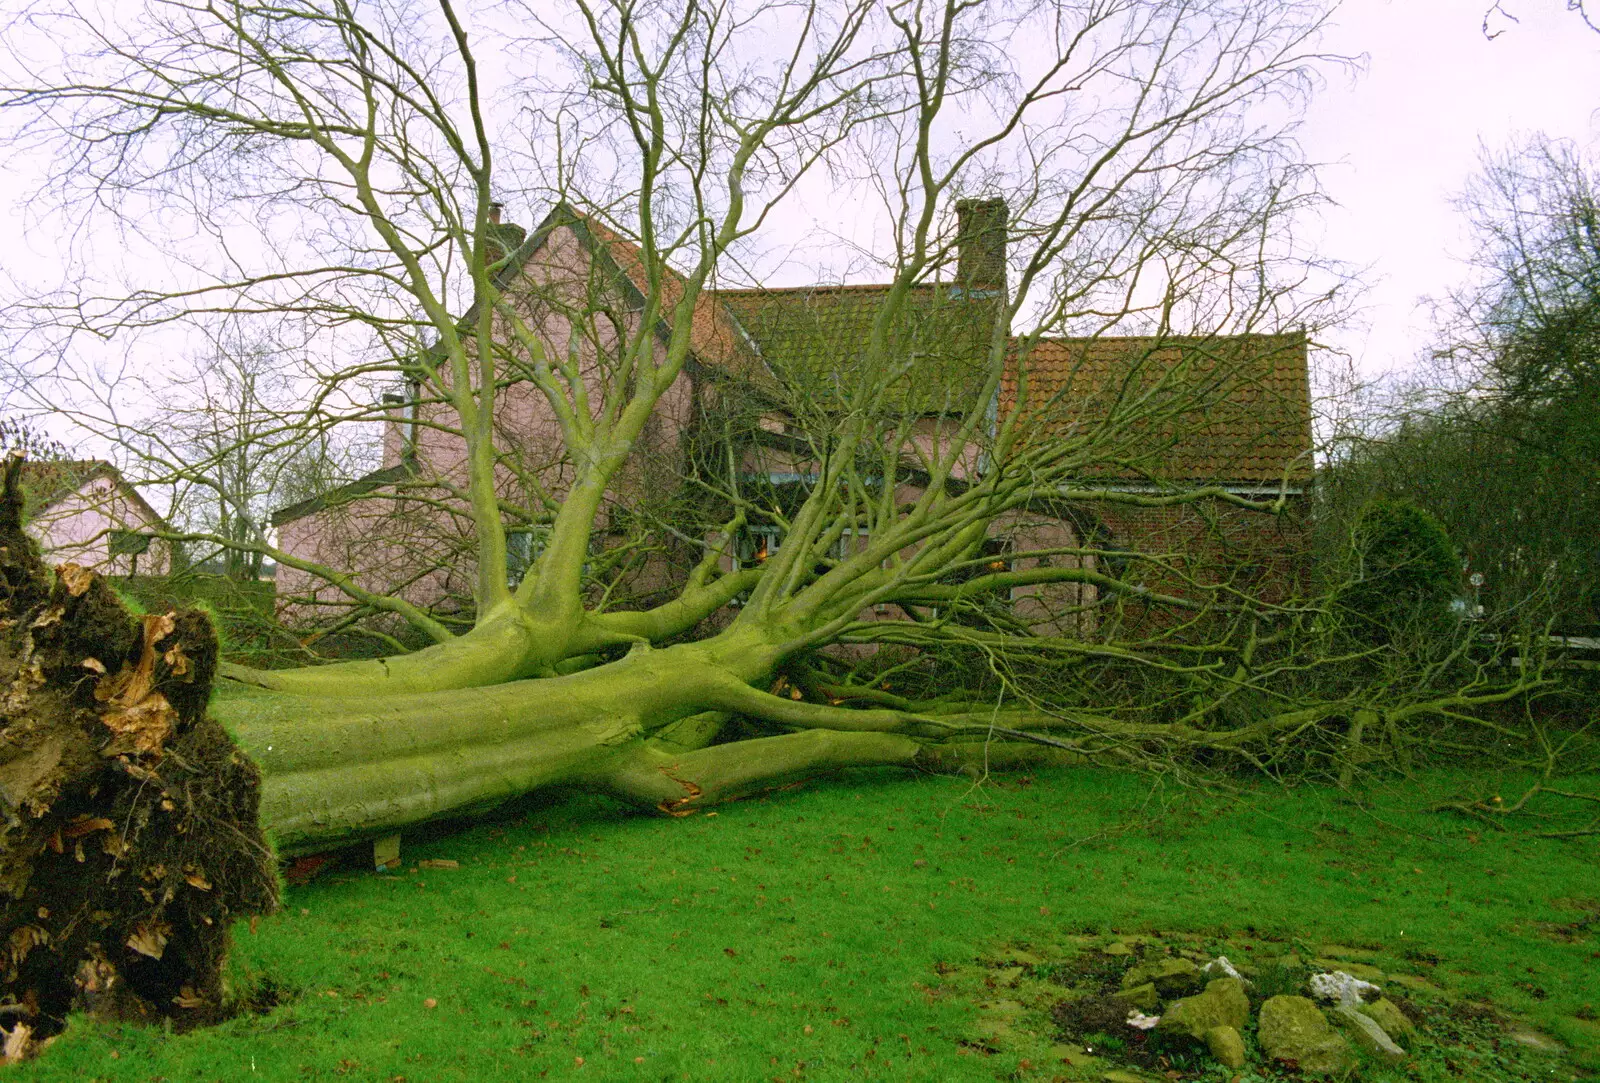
<point x="1402" y="138"/>
<point x="1398" y="139"/>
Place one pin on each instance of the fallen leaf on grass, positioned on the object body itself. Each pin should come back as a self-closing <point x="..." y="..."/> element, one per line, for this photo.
<point x="430" y="1003"/>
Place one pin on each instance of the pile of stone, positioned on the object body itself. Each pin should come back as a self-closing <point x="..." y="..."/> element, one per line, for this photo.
<point x="1318" y="1033"/>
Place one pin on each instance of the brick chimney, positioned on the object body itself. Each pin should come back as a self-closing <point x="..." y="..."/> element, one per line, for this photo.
<point x="981" y="245"/>
<point x="503" y="237"/>
<point x="396" y="436"/>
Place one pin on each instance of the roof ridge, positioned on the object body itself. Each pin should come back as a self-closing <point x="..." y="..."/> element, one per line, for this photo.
<point x="710" y="320"/>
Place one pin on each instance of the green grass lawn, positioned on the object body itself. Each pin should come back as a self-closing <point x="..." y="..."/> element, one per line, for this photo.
<point x="798" y="936"/>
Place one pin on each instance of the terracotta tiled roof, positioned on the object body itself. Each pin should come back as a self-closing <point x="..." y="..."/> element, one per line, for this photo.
<point x="1224" y="408"/>
<point x="815" y="338"/>
<point x="714" y="336"/>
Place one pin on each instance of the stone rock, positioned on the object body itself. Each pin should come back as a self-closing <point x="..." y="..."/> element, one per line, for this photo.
<point x="1140" y="1021"/>
<point x="1226" y="1045"/>
<point x="1223" y="1004"/>
<point x="1388" y="1015"/>
<point x="1369" y="1036"/>
<point x="1294" y="1030"/>
<point x="1220" y="967"/>
<point x="1341" y="988"/>
<point x="1359" y="971"/>
<point x="1171" y="977"/>
<point x="1143" y="997"/>
<point x="1117" y="947"/>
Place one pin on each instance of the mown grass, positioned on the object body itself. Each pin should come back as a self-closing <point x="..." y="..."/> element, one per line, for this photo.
<point x="798" y="936"/>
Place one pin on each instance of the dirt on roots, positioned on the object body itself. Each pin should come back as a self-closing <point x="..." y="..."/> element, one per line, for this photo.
<point x="129" y="840"/>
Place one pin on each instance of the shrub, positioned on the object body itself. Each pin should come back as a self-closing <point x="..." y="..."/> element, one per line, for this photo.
<point x="1403" y="572"/>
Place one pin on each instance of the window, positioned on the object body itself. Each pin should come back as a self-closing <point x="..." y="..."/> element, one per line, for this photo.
<point x="755" y="544"/>
<point x="993" y="556"/>
<point x="524" y="547"/>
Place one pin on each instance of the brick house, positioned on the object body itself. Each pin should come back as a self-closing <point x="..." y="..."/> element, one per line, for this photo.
<point x="84" y="512"/>
<point x="1231" y="412"/>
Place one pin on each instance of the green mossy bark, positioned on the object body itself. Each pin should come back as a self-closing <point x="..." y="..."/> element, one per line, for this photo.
<point x="339" y="769"/>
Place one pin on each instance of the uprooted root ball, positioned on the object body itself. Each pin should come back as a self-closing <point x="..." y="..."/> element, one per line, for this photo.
<point x="128" y="833"/>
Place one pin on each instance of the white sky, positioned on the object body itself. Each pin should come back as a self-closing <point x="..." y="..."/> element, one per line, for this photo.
<point x="1403" y="137"/>
<point x="1399" y="140"/>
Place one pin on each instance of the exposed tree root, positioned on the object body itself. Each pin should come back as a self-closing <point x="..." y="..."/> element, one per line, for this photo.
<point x="129" y="840"/>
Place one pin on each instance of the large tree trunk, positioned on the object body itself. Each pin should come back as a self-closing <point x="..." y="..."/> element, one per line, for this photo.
<point x="136" y="823"/>
<point x="340" y="769"/>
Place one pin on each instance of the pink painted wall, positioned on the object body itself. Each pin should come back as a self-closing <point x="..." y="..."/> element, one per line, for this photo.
<point x="420" y="545"/>
<point x="78" y="529"/>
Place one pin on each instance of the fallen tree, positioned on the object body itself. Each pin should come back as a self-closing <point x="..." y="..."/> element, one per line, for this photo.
<point x="137" y="823"/>
<point x="885" y="630"/>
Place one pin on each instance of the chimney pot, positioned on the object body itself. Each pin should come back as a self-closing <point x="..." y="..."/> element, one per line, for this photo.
<point x="494" y="212"/>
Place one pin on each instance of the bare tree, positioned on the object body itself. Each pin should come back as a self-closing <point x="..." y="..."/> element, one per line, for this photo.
<point x="1579" y="7"/>
<point x="1142" y="147"/>
<point x="1507" y="396"/>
